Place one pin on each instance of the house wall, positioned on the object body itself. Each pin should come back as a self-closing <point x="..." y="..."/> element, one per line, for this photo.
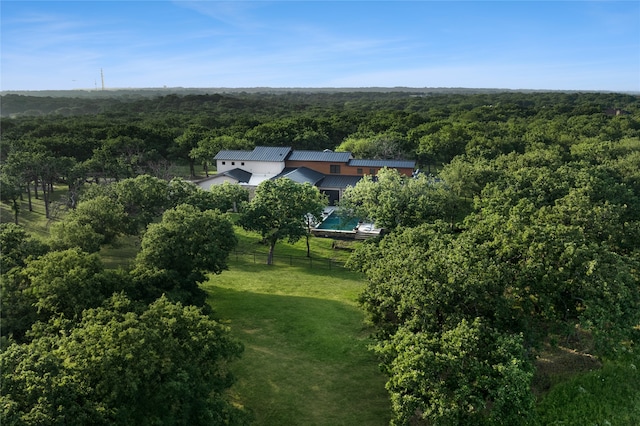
<point x="325" y="168"/>
<point x="253" y="167"/>
<point x="319" y="166"/>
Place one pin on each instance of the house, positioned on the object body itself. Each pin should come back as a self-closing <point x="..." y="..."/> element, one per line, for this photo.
<point x="332" y="172"/>
<point x="264" y="162"/>
<point x="343" y="164"/>
<point x="232" y="176"/>
<point x="325" y="162"/>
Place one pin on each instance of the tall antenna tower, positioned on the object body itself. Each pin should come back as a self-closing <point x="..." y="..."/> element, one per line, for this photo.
<point x="102" y="78"/>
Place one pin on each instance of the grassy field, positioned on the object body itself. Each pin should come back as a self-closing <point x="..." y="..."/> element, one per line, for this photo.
<point x="35" y="221"/>
<point x="306" y="360"/>
<point x="607" y="396"/>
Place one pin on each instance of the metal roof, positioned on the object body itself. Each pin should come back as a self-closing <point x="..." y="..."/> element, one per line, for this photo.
<point x="301" y="175"/>
<point x="232" y="155"/>
<point x="339" y="181"/>
<point x="240" y="175"/>
<point x="279" y="154"/>
<point x="327" y="156"/>
<point x="269" y="153"/>
<point x="259" y="153"/>
<point x="396" y="164"/>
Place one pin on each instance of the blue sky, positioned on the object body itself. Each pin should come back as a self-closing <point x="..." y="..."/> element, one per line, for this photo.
<point x="556" y="45"/>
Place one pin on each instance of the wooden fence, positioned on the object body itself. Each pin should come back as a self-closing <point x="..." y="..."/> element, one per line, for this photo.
<point x="257" y="257"/>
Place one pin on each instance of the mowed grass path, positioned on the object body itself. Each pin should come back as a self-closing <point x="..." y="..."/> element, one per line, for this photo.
<point x="306" y="360"/>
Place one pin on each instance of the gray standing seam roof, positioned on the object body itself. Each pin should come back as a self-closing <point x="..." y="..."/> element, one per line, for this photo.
<point x="238" y="174"/>
<point x="383" y="163"/>
<point x="259" y="153"/>
<point x="301" y="175"/>
<point x="269" y="153"/>
<point x="327" y="156"/>
<point x="338" y="181"/>
<point x="232" y="155"/>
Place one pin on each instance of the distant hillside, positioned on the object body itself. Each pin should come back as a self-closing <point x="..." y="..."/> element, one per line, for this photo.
<point x="162" y="91"/>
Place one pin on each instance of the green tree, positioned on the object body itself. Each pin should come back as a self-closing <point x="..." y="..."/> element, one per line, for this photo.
<point x="467" y="176"/>
<point x="441" y="146"/>
<point x="549" y="250"/>
<point x="464" y="375"/>
<point x="17" y="246"/>
<point x="389" y="145"/>
<point x="299" y="132"/>
<point x="187" y="142"/>
<point x="21" y="165"/>
<point x="70" y="281"/>
<point x="17" y="309"/>
<point x="223" y="197"/>
<point x="10" y="192"/>
<point x="177" y="252"/>
<point x="209" y="146"/>
<point x="94" y="222"/>
<point x="70" y="233"/>
<point x="36" y="389"/>
<point x="165" y="365"/>
<point x="521" y="276"/>
<point x="391" y="199"/>
<point x="143" y="197"/>
<point x="280" y="209"/>
<point x="229" y="196"/>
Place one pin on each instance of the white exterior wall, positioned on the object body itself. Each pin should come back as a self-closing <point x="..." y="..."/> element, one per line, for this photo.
<point x="267" y="168"/>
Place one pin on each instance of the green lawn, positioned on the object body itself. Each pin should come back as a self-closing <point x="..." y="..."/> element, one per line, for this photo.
<point x="608" y="396"/>
<point x="35" y="221"/>
<point x="306" y="360"/>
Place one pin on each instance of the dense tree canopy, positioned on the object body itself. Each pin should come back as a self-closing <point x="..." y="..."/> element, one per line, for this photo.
<point x="17" y="309"/>
<point x="68" y="282"/>
<point x="522" y="229"/>
<point x="178" y="251"/>
<point x="131" y="134"/>
<point x="93" y="223"/>
<point x="391" y="199"/>
<point x="17" y="246"/>
<point x="166" y="364"/>
<point x="549" y="250"/>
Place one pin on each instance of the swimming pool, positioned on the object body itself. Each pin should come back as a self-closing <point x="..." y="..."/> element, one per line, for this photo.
<point x="338" y="223"/>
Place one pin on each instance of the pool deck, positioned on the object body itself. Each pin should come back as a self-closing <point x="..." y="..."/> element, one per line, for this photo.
<point x="362" y="231"/>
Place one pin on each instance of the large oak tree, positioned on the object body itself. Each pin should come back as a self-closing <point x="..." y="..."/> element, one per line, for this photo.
<point x="280" y="210"/>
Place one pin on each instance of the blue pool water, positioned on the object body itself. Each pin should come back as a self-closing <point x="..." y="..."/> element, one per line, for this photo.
<point x="334" y="221"/>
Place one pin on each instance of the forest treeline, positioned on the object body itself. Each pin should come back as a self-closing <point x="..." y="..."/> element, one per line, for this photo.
<point x="523" y="230"/>
<point x="124" y="136"/>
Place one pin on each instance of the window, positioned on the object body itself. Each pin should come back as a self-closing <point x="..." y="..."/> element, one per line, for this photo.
<point x="359" y="171"/>
<point x="223" y="163"/>
<point x="242" y="164"/>
<point x="372" y="171"/>
<point x="233" y="163"/>
<point x="334" y="168"/>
